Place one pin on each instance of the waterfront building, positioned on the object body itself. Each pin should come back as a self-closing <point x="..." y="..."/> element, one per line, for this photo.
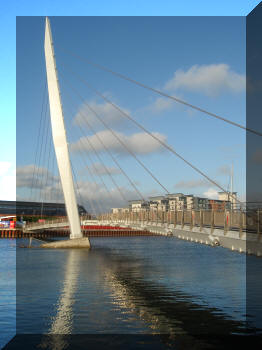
<point x="120" y="210"/>
<point x="177" y="201"/>
<point x="138" y="205"/>
<point x="159" y="203"/>
<point x="217" y="204"/>
<point x="35" y="208"/>
<point x="225" y="196"/>
<point x="196" y="203"/>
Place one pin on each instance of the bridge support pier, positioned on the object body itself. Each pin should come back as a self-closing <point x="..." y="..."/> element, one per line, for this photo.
<point x="80" y="243"/>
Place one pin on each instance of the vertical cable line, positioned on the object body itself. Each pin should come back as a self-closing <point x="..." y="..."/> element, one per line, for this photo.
<point x="93" y="200"/>
<point x="121" y="143"/>
<point x="76" y="185"/>
<point x="44" y="174"/>
<point x="105" y="168"/>
<point x="90" y="173"/>
<point x="85" y="152"/>
<point x="38" y="176"/>
<point x="52" y="174"/>
<point x="106" y="149"/>
<point x="113" y="158"/>
<point x="58" y="187"/>
<point x="110" y="154"/>
<point x="165" y="145"/>
<point x="37" y="140"/>
<point x="101" y="161"/>
<point x="96" y="206"/>
<point x="47" y="167"/>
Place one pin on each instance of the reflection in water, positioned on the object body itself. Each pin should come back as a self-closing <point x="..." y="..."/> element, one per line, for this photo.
<point x="164" y="311"/>
<point x="161" y="310"/>
<point x="117" y="289"/>
<point x="124" y="297"/>
<point x="62" y="322"/>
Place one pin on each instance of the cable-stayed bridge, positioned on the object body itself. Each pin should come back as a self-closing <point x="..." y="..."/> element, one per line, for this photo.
<point x="206" y="226"/>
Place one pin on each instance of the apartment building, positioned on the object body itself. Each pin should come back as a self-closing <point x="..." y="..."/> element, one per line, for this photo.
<point x="120" y="210"/>
<point x="138" y="205"/>
<point x="160" y="203"/>
<point x="196" y="203"/>
<point x="178" y="201"/>
<point x="224" y="196"/>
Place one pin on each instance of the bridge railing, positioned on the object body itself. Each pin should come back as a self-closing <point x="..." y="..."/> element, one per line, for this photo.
<point x="47" y="222"/>
<point x="250" y="221"/>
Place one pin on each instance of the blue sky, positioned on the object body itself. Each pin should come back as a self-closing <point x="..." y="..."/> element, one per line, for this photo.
<point x="125" y="47"/>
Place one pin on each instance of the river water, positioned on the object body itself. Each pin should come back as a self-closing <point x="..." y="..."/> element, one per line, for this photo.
<point x="124" y="285"/>
<point x="7" y="290"/>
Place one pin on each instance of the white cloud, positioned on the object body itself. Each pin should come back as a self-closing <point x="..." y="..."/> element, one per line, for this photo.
<point x="139" y="143"/>
<point x="96" y="196"/>
<point x="193" y="183"/>
<point x="51" y="191"/>
<point x="106" y="111"/>
<point x="32" y="176"/>
<point x="211" y="193"/>
<point x="7" y="181"/>
<point x="99" y="169"/>
<point x="4" y="167"/>
<point x="161" y="104"/>
<point x="210" y="79"/>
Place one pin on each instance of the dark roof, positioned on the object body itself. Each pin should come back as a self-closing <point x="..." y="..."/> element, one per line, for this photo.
<point x="35" y="208"/>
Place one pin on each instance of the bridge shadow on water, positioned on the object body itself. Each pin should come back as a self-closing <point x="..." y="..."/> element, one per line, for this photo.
<point x="174" y="320"/>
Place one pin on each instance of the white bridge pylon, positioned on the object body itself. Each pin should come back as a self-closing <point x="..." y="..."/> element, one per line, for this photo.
<point x="59" y="137"/>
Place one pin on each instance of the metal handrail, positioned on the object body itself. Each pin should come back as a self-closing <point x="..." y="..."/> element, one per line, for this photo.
<point x="226" y="220"/>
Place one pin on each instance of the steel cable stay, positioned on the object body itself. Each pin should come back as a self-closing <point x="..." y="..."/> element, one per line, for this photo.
<point x="53" y="175"/>
<point x="38" y="173"/>
<point x="95" y="208"/>
<point x="39" y="150"/>
<point x="159" y="92"/>
<point x="93" y="200"/>
<point x="77" y="187"/>
<point x="91" y="175"/>
<point x="38" y="138"/>
<point x="165" y="145"/>
<point x="96" y="172"/>
<point x="110" y="154"/>
<point x="57" y="192"/>
<point x="57" y="183"/>
<point x="44" y="173"/>
<point x="93" y="164"/>
<point x="105" y="168"/>
<point x="47" y="167"/>
<point x="121" y="143"/>
<point x="115" y="161"/>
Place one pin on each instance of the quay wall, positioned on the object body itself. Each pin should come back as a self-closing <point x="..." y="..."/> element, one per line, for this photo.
<point x="119" y="232"/>
<point x="242" y="242"/>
